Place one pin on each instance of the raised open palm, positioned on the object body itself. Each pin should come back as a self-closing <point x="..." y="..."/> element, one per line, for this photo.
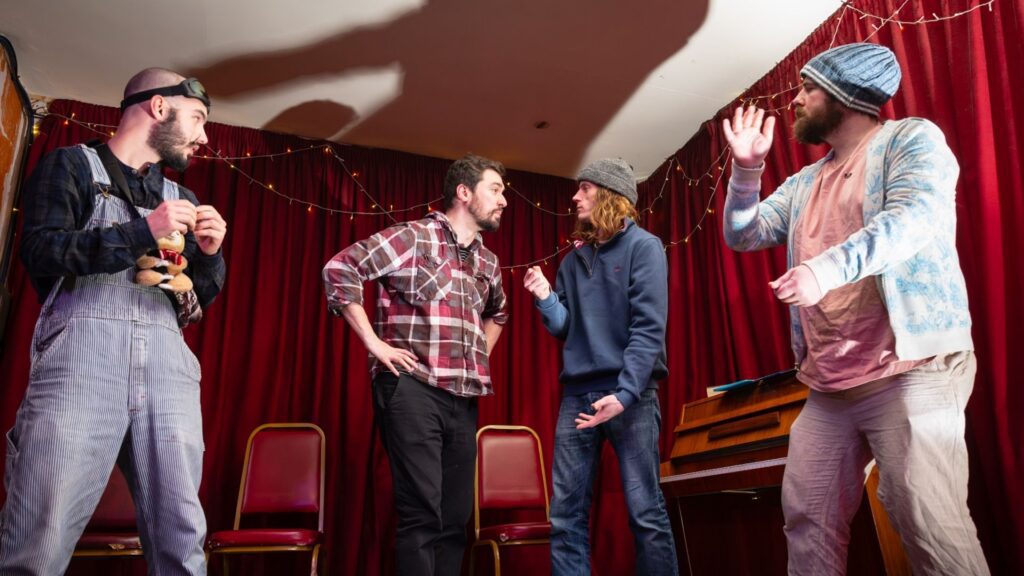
<point x="749" y="135"/>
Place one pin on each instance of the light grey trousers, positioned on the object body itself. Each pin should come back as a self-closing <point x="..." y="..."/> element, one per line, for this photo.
<point x="912" y="424"/>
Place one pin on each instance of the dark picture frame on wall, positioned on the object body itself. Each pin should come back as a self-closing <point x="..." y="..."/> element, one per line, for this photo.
<point x="15" y="139"/>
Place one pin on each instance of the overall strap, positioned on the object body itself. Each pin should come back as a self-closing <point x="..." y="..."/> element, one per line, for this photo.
<point x="113" y="169"/>
<point x="105" y="168"/>
<point x="171" y="191"/>
<point x="99" y="173"/>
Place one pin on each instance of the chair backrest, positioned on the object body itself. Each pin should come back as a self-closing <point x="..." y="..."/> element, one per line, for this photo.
<point x="509" y="470"/>
<point x="116" y="511"/>
<point x="283" y="471"/>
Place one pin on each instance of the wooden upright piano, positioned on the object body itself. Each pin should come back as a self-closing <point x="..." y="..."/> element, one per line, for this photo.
<point x="722" y="486"/>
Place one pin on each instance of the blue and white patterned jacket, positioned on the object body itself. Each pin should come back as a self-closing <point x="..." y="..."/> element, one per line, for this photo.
<point x="908" y="241"/>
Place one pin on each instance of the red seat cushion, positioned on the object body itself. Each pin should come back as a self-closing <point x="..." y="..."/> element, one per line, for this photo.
<point x="109" y="541"/>
<point x="522" y="531"/>
<point x="263" y="537"/>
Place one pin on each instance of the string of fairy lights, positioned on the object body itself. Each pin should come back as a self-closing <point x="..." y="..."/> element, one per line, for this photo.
<point x="376" y="208"/>
<point x="877" y="23"/>
<point x="921" y="20"/>
<point x="673" y="168"/>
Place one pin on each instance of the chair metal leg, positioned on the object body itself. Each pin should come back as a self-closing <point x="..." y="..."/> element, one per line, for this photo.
<point x="497" y="558"/>
<point x="494" y="553"/>
<point x="316" y="553"/>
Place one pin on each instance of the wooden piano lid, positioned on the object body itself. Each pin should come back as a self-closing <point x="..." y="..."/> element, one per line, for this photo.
<point x="755" y="419"/>
<point x="762" y="396"/>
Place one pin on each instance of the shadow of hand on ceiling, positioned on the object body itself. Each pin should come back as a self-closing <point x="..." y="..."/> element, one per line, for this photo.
<point x="314" y="119"/>
<point x="478" y="76"/>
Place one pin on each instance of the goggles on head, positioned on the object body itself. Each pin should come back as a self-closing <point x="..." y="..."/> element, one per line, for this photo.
<point x="189" y="87"/>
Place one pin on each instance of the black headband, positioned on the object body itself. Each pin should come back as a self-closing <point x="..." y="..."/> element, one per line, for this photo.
<point x="189" y="87"/>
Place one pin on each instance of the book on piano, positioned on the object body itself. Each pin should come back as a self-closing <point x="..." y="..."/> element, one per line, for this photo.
<point x="762" y="381"/>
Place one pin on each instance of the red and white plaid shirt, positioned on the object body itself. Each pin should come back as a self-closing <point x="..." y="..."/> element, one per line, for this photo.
<point x="429" y="302"/>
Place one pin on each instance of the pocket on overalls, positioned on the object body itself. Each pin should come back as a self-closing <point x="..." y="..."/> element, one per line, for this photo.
<point x="48" y="337"/>
<point x="190" y="362"/>
<point x="12" y="454"/>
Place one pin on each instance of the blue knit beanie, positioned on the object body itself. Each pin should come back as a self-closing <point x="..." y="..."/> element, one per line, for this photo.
<point x="861" y="76"/>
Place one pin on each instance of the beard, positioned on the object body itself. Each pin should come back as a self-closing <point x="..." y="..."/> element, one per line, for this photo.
<point x="815" y="128"/>
<point x="169" y="142"/>
<point x="486" y="222"/>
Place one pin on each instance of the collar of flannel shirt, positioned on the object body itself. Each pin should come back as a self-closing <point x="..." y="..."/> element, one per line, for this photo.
<point x="442" y="218"/>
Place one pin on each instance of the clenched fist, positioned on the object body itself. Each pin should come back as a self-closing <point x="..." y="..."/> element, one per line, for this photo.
<point x="536" y="283"/>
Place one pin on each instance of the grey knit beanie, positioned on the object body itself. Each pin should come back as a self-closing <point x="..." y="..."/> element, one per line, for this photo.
<point x="861" y="76"/>
<point x="615" y="174"/>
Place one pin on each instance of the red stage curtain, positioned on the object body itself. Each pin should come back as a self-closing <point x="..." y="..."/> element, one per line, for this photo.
<point x="270" y="351"/>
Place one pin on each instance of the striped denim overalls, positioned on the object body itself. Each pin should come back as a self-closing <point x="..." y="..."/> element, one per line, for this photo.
<point x="111" y="380"/>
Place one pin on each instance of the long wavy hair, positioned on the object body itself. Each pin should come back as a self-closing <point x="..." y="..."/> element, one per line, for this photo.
<point x="606" y="219"/>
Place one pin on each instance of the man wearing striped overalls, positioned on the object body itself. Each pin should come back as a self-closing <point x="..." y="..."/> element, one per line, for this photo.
<point x="112" y="381"/>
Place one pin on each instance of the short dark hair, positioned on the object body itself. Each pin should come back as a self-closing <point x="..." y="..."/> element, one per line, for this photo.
<point x="151" y="78"/>
<point x="467" y="170"/>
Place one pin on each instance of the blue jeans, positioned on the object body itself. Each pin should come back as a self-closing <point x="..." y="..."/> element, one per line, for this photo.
<point x="634" y="436"/>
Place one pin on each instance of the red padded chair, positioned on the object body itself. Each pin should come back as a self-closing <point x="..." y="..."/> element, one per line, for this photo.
<point x="283" y="472"/>
<point x="509" y="477"/>
<point x="111" y="530"/>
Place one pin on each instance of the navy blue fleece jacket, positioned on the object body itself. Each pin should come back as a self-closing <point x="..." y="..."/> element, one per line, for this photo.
<point x="610" y="305"/>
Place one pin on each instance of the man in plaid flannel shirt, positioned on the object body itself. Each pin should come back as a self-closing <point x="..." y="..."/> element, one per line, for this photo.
<point x="440" y="310"/>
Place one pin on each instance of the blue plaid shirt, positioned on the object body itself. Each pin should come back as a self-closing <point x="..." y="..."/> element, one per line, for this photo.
<point x="58" y="201"/>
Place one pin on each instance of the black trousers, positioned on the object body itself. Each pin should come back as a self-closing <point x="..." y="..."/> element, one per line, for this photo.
<point x="430" y="438"/>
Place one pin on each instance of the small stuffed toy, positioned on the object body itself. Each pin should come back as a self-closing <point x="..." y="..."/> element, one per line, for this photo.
<point x="163" y="266"/>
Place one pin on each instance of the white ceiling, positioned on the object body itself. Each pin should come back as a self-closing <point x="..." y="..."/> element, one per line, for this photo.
<point x="435" y="77"/>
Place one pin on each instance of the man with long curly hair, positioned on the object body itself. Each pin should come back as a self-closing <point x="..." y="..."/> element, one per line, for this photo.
<point x="609" y="306"/>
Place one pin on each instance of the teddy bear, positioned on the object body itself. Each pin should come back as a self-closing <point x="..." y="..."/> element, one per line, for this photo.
<point x="163" y="267"/>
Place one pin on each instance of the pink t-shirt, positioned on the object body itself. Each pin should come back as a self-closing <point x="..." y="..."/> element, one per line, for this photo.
<point x="849" y="339"/>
